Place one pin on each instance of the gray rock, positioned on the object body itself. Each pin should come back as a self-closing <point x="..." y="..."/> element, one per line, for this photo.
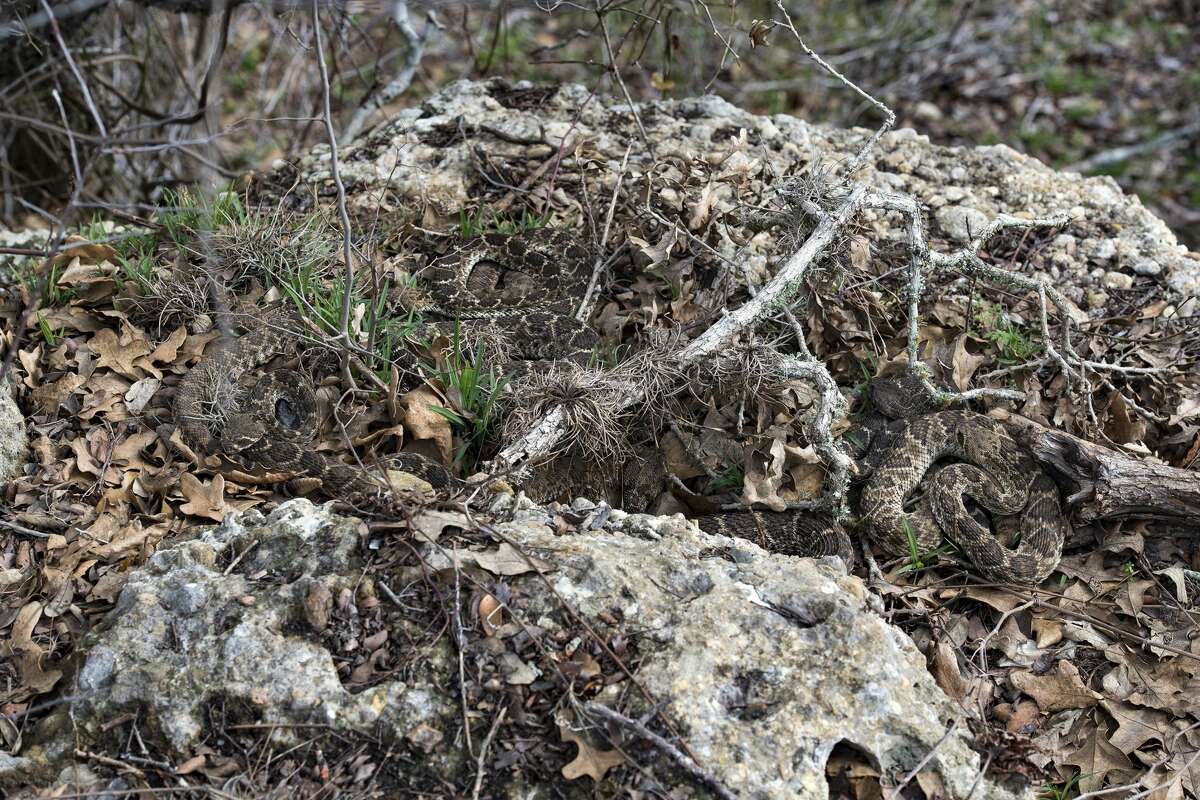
<point x="13" y="437"/>
<point x="1116" y="280"/>
<point x="1101" y="251"/>
<point x="412" y="159"/>
<point x="960" y="223"/>
<point x="793" y="638"/>
<point x="181" y="637"/>
<point x="1147" y="267"/>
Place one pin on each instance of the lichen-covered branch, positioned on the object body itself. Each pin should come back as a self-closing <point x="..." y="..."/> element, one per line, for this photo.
<point x="544" y="438"/>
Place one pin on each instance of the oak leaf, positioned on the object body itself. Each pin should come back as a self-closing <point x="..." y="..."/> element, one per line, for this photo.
<point x="590" y="761"/>
<point x="203" y="499"/>
<point x="1096" y="758"/>
<point x="1056" y="691"/>
<point x="119" y="353"/>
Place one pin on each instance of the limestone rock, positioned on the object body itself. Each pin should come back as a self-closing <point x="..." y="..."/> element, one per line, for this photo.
<point x="183" y="636"/>
<point x="763" y="662"/>
<point x="13" y="438"/>
<point x="421" y="162"/>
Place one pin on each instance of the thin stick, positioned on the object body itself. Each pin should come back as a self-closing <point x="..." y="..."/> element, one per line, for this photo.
<point x="87" y="94"/>
<point x="412" y="59"/>
<point x="544" y="437"/>
<point x="597" y="268"/>
<point x="483" y="750"/>
<point x="895" y="792"/>
<point x="688" y="765"/>
<point x="616" y="72"/>
<point x="21" y="529"/>
<point x="460" y="641"/>
<point x="348" y="275"/>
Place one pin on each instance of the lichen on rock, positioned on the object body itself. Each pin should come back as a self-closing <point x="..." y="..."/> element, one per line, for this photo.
<point x="764" y="662"/>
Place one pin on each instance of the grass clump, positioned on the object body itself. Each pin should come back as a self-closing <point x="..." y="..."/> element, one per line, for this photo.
<point x="485" y="220"/>
<point x="730" y="479"/>
<point x="1013" y="343"/>
<point x="472" y="386"/>
<point x="187" y="215"/>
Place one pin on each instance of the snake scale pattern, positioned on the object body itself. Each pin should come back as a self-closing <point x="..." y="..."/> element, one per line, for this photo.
<point x="526" y="286"/>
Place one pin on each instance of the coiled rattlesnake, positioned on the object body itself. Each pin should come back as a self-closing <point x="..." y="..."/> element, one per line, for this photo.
<point x="526" y="286"/>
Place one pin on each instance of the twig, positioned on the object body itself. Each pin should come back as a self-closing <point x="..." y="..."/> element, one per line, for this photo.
<point x="1118" y="154"/>
<point x="895" y="791"/>
<point x="483" y="750"/>
<point x="544" y="437"/>
<point x="688" y="765"/>
<point x="100" y="758"/>
<point x="460" y="642"/>
<point x="87" y="94"/>
<point x="21" y="529"/>
<point x="616" y="72"/>
<point x="399" y="84"/>
<point x="889" y="116"/>
<point x="348" y="274"/>
<point x="983" y="643"/>
<point x="598" y="267"/>
<point x="564" y="146"/>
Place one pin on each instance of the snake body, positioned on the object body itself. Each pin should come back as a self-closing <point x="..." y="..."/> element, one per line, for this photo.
<point x="511" y="292"/>
<point x="523" y="289"/>
<point x="989" y="467"/>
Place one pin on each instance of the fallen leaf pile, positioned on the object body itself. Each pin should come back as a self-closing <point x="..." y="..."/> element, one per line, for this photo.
<point x="111" y="476"/>
<point x="1089" y="681"/>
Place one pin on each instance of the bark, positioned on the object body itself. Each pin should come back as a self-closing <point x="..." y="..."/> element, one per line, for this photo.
<point x="1105" y="484"/>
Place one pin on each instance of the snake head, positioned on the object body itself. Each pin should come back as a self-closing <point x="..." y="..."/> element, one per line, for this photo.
<point x="240" y="432"/>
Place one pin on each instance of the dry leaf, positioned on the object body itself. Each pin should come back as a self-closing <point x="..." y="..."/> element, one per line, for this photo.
<point x="1095" y="759"/>
<point x="191" y="765"/>
<point x="946" y="673"/>
<point x="764" y="475"/>
<point x="318" y="604"/>
<point x="860" y="252"/>
<point x="50" y="396"/>
<point x="79" y="248"/>
<point x="1120" y="426"/>
<point x="1055" y="691"/>
<point x="806" y="470"/>
<point x="203" y="499"/>
<point x="1022" y="718"/>
<point x="491" y="615"/>
<point x="1188" y="407"/>
<point x="426" y="424"/>
<point x="653" y="255"/>
<point x="590" y="761"/>
<point x="1047" y="632"/>
<point x="119" y="353"/>
<point x="139" y="394"/>
<point x="508" y="560"/>
<point x="430" y="524"/>
<point x="1136" y="725"/>
<point x="678" y="461"/>
<point x="702" y="207"/>
<point x="965" y="364"/>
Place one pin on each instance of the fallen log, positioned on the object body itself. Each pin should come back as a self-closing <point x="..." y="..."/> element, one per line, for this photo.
<point x="1103" y="483"/>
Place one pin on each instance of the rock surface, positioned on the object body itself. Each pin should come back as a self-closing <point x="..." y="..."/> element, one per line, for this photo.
<point x="13" y="437"/>
<point x="426" y="160"/>
<point x="725" y="627"/>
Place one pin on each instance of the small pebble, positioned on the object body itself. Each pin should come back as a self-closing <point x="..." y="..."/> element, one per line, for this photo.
<point x="1116" y="280"/>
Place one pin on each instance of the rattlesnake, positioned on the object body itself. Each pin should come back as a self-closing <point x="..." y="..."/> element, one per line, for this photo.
<point x="514" y="293"/>
<point x="997" y="475"/>
<point x="525" y="287"/>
